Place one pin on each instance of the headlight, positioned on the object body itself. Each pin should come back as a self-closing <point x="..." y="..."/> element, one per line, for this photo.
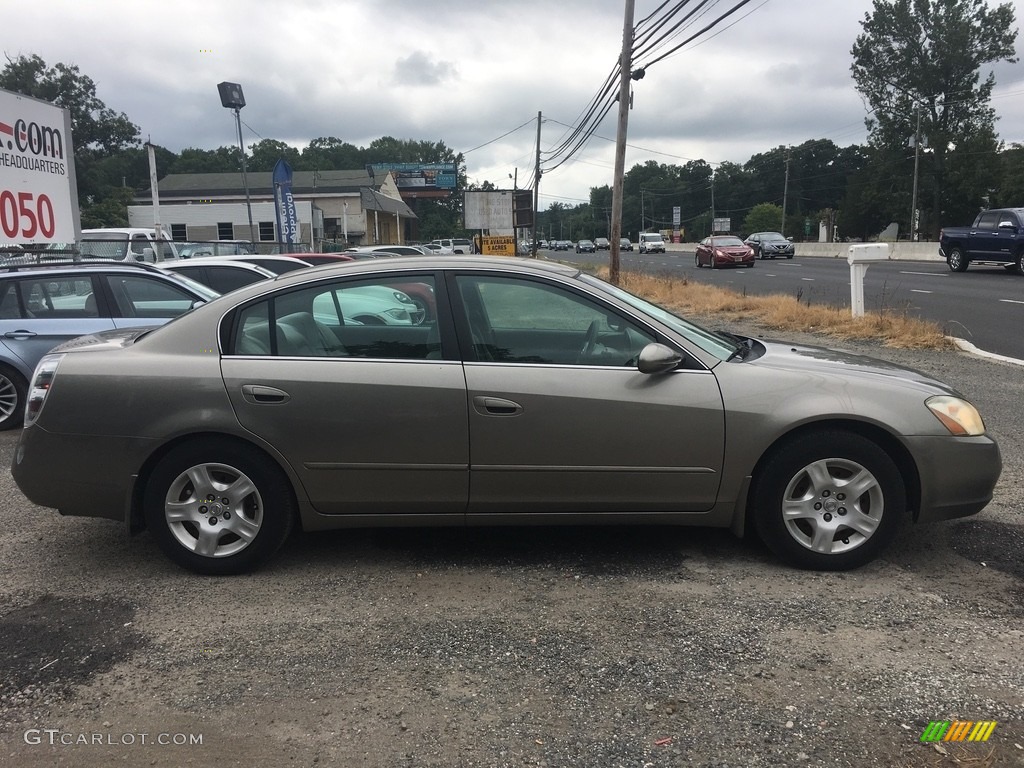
<point x="956" y="415"/>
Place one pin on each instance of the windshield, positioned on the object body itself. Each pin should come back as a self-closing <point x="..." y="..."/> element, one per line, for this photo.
<point x="107" y="247"/>
<point x="773" y="237"/>
<point x="726" y="242"/>
<point x="713" y="343"/>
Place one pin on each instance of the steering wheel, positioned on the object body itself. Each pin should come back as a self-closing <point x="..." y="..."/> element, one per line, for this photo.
<point x="589" y="341"/>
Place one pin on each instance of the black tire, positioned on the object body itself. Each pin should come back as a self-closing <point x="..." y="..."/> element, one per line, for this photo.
<point x="265" y="512"/>
<point x="1018" y="263"/>
<point x="819" y="533"/>
<point x="956" y="260"/>
<point x="696" y="260"/>
<point x="13" y="389"/>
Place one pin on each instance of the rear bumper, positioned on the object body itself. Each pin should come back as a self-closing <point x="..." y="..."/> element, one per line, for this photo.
<point x="76" y="475"/>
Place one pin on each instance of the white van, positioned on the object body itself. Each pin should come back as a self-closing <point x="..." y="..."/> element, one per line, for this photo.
<point x="651" y="242"/>
<point x="126" y="244"/>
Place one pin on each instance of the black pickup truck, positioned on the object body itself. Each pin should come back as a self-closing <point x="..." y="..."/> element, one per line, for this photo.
<point x="997" y="236"/>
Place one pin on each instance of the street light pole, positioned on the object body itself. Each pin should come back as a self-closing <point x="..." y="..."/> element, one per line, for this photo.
<point x="785" y="192"/>
<point x="245" y="175"/>
<point x="232" y="98"/>
<point x="913" y="196"/>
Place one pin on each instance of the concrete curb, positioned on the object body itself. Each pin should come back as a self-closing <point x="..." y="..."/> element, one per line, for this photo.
<point x="966" y="346"/>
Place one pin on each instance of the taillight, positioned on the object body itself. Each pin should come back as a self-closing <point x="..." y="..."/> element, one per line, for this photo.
<point x="42" y="381"/>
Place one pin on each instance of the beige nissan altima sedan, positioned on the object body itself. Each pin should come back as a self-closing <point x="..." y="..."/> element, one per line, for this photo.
<point x="536" y="394"/>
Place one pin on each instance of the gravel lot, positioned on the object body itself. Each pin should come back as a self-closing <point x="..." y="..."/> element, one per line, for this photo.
<point x="634" y="647"/>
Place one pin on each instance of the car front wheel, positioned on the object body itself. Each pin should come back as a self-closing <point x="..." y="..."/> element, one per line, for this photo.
<point x="696" y="261"/>
<point x="1019" y="263"/>
<point x="217" y="507"/>
<point x="828" y="501"/>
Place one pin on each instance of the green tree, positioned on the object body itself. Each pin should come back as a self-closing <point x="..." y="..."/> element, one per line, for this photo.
<point x="925" y="56"/>
<point x="330" y="153"/>
<point x="98" y="132"/>
<point x="764" y="217"/>
<point x="264" y="154"/>
<point x="193" y="160"/>
<point x="1009" y="190"/>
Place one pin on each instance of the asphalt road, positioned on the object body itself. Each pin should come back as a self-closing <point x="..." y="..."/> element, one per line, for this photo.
<point x="980" y="305"/>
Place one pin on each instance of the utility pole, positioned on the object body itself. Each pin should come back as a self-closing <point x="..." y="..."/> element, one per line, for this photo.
<point x="643" y="215"/>
<point x="625" y="64"/>
<point x="536" y="190"/>
<point x="711" y="227"/>
<point x="785" y="191"/>
<point x="913" y="196"/>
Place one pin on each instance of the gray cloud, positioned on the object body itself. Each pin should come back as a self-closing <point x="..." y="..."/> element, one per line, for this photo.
<point x="418" y="68"/>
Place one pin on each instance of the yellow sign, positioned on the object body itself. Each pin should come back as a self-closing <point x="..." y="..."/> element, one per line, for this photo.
<point x="502" y="245"/>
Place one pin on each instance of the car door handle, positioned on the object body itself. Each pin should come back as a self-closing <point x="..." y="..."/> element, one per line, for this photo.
<point x="496" y="406"/>
<point x="19" y="335"/>
<point x="261" y="395"/>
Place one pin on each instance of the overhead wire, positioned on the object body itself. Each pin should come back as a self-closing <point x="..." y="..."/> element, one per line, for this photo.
<point x="648" y="42"/>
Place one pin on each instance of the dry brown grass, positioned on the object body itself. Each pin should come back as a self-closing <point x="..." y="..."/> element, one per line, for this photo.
<point x="784" y="313"/>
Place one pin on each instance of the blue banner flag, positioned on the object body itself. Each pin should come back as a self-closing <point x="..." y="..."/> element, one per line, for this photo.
<point x="284" y="204"/>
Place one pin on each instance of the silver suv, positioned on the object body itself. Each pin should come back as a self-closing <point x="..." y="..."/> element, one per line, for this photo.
<point x="42" y="306"/>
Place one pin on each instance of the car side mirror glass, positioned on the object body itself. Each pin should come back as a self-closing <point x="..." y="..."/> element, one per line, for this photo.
<point x="657" y="358"/>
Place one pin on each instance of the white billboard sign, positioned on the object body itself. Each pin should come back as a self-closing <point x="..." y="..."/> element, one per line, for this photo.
<point x="38" y="198"/>
<point x="488" y="210"/>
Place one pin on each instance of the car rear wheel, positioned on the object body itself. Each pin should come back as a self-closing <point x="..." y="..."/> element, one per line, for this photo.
<point x="12" y="398"/>
<point x="217" y="507"/>
<point x="828" y="501"/>
<point x="956" y="260"/>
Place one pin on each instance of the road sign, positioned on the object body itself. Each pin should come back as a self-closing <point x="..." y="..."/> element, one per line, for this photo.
<point x="38" y="198"/>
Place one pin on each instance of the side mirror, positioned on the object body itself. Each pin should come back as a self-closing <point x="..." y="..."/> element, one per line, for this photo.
<point x="1007" y="225"/>
<point x="657" y="358"/>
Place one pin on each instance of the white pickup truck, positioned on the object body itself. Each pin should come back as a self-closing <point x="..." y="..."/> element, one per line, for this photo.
<point x="453" y="245"/>
<point x="126" y="244"/>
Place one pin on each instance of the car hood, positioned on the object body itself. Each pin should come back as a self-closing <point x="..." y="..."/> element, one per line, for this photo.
<point x="812" y="359"/>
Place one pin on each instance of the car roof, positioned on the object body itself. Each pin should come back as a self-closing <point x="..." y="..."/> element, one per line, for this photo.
<point x="214" y="261"/>
<point x="417" y="264"/>
<point x="122" y="231"/>
<point x="66" y="266"/>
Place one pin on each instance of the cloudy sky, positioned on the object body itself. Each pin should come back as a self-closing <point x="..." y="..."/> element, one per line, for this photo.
<point x="473" y="74"/>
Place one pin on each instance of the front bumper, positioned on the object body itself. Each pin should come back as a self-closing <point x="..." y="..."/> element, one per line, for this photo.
<point x="958" y="475"/>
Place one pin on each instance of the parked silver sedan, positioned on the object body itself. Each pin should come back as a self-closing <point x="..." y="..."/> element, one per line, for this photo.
<point x="535" y="394"/>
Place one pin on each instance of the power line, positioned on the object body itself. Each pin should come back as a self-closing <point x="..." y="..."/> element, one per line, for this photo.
<point x="498" y="138"/>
